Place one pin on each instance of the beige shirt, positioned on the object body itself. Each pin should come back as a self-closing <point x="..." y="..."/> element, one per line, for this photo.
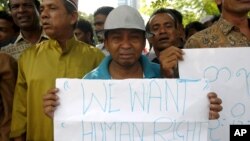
<point x="220" y="34"/>
<point x="20" y="45"/>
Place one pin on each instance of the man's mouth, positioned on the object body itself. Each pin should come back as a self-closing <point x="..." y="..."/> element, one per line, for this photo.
<point x="163" y="39"/>
<point x="23" y="18"/>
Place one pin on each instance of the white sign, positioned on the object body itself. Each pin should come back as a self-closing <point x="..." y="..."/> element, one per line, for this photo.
<point x="228" y="70"/>
<point x="131" y="110"/>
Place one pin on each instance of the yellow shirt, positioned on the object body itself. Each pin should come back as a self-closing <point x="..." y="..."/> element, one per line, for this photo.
<point x="39" y="66"/>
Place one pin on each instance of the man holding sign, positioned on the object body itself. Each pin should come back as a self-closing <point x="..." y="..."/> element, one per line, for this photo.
<point x="125" y="39"/>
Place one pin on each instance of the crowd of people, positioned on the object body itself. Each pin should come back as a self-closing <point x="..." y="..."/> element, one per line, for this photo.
<point x="44" y="41"/>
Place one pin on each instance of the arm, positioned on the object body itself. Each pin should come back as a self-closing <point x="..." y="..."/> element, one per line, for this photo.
<point x="19" y="119"/>
<point x="8" y="74"/>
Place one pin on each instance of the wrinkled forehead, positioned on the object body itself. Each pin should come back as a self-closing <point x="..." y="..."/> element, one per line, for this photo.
<point x="21" y="1"/>
<point x="159" y="17"/>
<point x="123" y="30"/>
<point x="51" y="1"/>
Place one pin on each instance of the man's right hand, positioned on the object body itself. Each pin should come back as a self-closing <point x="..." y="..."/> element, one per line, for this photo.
<point x="169" y="60"/>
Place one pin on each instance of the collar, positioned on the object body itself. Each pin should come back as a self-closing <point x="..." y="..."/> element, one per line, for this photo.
<point x="70" y="43"/>
<point x="227" y="27"/>
<point x="148" y="70"/>
<point x="20" y="38"/>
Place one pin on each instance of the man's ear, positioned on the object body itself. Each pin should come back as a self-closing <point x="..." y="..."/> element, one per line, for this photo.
<point x="74" y="17"/>
<point x="150" y="39"/>
<point x="106" y="44"/>
<point x="218" y="2"/>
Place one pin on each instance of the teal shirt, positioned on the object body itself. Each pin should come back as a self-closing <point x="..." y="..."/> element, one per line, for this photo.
<point x="150" y="69"/>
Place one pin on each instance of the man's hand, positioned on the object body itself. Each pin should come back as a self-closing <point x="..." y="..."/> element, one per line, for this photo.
<point x="215" y="105"/>
<point x="169" y="59"/>
<point x="50" y="102"/>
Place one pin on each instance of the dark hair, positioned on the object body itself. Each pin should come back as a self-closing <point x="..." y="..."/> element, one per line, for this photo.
<point x="198" y="26"/>
<point x="178" y="15"/>
<point x="36" y="2"/>
<point x="160" y="11"/>
<point x="215" y="18"/>
<point x="70" y="9"/>
<point x="104" y="10"/>
<point x="85" y="26"/>
<point x="6" y="16"/>
<point x="219" y="7"/>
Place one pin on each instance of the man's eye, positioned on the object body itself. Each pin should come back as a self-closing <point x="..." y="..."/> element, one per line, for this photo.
<point x="14" y="6"/>
<point x="28" y="5"/>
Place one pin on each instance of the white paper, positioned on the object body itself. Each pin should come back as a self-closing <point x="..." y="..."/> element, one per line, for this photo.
<point x="131" y="109"/>
<point x="228" y="71"/>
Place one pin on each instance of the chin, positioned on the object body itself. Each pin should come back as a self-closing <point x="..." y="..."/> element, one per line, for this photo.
<point x="50" y="34"/>
<point x="161" y="48"/>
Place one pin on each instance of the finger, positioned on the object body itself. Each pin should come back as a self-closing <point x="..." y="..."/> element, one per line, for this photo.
<point x="216" y="107"/>
<point x="51" y="94"/>
<point x="48" y="103"/>
<point x="215" y="101"/>
<point x="53" y="90"/>
<point x="212" y="95"/>
<point x="178" y="53"/>
<point x="49" y="111"/>
<point x="213" y="115"/>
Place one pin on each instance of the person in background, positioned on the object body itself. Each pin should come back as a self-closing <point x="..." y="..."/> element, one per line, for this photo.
<point x="8" y="29"/>
<point x="100" y="16"/>
<point x="231" y="30"/>
<point x="125" y="38"/>
<point x="84" y="31"/>
<point x="193" y="28"/>
<point x="181" y="32"/>
<point x="163" y="24"/>
<point x="25" y="14"/>
<point x="62" y="56"/>
<point x="8" y="75"/>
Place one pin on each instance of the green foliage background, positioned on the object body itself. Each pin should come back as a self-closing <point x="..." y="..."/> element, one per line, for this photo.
<point x="192" y="10"/>
<point x="3" y="4"/>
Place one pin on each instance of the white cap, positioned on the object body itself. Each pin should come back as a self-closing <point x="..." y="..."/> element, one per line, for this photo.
<point x="124" y="17"/>
<point x="73" y="3"/>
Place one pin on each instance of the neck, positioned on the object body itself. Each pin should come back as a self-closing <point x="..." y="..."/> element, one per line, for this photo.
<point x="32" y="36"/>
<point x="63" y="40"/>
<point x="238" y="20"/>
<point x="123" y="72"/>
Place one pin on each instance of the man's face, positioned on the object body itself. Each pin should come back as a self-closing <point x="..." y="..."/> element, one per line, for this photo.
<point x="235" y="6"/>
<point x="56" y="21"/>
<point x="82" y="36"/>
<point x="6" y="30"/>
<point x="99" y="21"/>
<point x="164" y="30"/>
<point x="125" y="46"/>
<point x="24" y="14"/>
